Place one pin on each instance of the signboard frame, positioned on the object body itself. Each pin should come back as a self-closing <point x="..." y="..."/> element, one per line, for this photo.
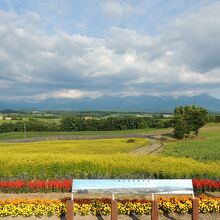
<point x="133" y="186"/>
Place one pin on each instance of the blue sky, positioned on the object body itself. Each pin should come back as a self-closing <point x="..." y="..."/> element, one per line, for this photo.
<point x="95" y="17"/>
<point x="91" y="48"/>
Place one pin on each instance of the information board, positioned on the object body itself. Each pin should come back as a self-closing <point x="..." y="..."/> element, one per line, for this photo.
<point x="136" y="186"/>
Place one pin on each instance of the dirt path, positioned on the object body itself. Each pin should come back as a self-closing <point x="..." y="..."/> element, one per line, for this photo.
<point x="153" y="148"/>
<point x="68" y="195"/>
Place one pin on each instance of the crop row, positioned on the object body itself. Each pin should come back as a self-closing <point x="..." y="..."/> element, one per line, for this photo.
<point x="31" y="166"/>
<point x="38" y="207"/>
<point x="205" y="148"/>
<point x="20" y="186"/>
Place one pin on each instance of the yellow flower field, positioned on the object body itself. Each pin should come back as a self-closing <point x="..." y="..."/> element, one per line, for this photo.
<point x="102" y="158"/>
<point x="65" y="165"/>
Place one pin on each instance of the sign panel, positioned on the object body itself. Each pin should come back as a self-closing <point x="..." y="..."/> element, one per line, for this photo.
<point x="137" y="186"/>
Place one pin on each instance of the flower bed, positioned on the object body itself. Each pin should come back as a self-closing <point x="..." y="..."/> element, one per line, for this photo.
<point x="31" y="207"/>
<point x="39" y="207"/>
<point x="206" y="185"/>
<point x="20" y="186"/>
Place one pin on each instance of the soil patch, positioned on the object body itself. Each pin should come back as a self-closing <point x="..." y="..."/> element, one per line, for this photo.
<point x="123" y="217"/>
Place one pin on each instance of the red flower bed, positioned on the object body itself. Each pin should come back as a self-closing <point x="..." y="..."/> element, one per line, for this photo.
<point x="36" y="186"/>
<point x="206" y="185"/>
<point x="18" y="186"/>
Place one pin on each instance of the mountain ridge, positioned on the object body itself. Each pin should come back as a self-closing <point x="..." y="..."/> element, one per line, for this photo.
<point x="129" y="103"/>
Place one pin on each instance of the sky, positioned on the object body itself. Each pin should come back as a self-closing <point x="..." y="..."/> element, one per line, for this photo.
<point x="74" y="49"/>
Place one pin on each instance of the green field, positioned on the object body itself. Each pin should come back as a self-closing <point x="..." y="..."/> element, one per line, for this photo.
<point x="211" y="125"/>
<point x="203" y="148"/>
<point x="20" y="135"/>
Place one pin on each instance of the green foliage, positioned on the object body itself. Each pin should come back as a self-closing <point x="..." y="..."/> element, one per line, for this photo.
<point x="180" y="127"/>
<point x="83" y="123"/>
<point x="188" y="119"/>
<point x="111" y="123"/>
<point x="213" y="118"/>
<point x="217" y="118"/>
<point x="30" y="125"/>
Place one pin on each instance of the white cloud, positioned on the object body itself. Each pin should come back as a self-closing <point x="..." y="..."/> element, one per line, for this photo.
<point x="61" y="94"/>
<point x="75" y="94"/>
<point x="38" y="65"/>
<point x="195" y="38"/>
<point x="117" y="9"/>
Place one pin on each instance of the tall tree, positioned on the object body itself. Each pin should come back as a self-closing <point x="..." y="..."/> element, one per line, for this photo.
<point x="189" y="119"/>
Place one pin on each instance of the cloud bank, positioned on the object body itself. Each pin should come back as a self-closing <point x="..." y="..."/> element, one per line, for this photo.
<point x="183" y="59"/>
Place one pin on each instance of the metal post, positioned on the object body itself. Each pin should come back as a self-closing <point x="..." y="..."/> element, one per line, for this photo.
<point x="114" y="208"/>
<point x="25" y="135"/>
<point x="154" y="209"/>
<point x="69" y="214"/>
<point x="195" y="209"/>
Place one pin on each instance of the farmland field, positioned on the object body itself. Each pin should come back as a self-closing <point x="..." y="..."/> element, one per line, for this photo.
<point x="95" y="159"/>
<point x="20" y="135"/>
<point x="100" y="146"/>
<point x="110" y="158"/>
<point x="121" y="165"/>
<point x="203" y="148"/>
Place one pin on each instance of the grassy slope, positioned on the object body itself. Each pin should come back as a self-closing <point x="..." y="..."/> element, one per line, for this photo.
<point x="20" y="135"/>
<point x="100" y="146"/>
<point x="205" y="147"/>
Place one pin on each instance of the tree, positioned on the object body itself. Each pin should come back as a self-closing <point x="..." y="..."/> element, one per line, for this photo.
<point x="189" y="119"/>
<point x="180" y="127"/>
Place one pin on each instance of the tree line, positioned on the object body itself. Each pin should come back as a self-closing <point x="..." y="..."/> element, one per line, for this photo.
<point x="112" y="123"/>
<point x="77" y="123"/>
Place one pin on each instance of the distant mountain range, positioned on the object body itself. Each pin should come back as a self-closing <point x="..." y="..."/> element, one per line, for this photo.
<point x="132" y="103"/>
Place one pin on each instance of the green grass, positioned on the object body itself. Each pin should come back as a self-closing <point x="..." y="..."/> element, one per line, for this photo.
<point x="206" y="147"/>
<point x="8" y="121"/>
<point x="212" y="124"/>
<point x="100" y="146"/>
<point x="20" y="135"/>
<point x="49" y="120"/>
